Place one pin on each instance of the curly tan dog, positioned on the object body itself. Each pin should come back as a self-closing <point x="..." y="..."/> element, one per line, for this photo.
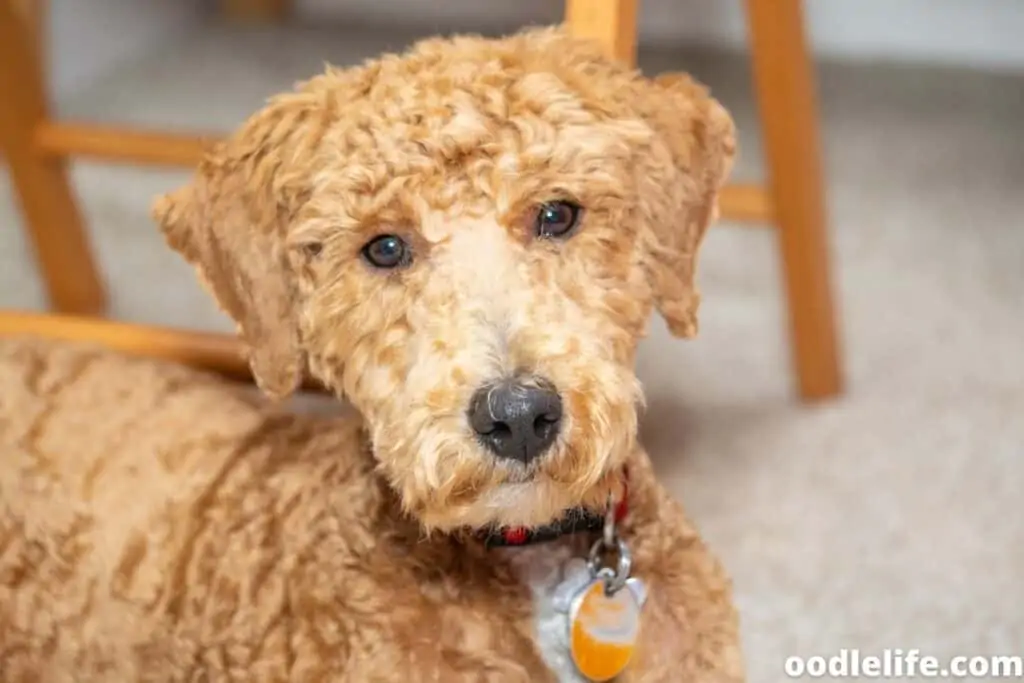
<point x="465" y="241"/>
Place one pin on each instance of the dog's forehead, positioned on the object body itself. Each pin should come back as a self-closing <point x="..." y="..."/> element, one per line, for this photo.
<point x="471" y="128"/>
<point x="503" y="77"/>
<point x="447" y="102"/>
<point x="450" y="115"/>
<point x="463" y="124"/>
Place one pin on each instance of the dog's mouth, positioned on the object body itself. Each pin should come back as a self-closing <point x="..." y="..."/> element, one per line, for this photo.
<point x="520" y="476"/>
<point x="531" y="500"/>
<point x="589" y="516"/>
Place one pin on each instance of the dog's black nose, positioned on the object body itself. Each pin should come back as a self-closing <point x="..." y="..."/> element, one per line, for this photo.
<point x="516" y="419"/>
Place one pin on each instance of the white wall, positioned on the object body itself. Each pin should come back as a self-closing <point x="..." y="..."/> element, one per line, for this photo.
<point x="987" y="33"/>
<point x="984" y="33"/>
<point x="86" y="37"/>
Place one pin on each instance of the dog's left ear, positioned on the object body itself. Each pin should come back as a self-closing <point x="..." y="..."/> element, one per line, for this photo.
<point x="701" y="140"/>
<point x="231" y="223"/>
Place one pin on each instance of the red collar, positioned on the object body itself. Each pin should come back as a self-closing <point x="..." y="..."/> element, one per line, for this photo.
<point x="574" y="521"/>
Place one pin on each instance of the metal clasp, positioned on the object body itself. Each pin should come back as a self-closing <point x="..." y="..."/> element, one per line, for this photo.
<point x="614" y="577"/>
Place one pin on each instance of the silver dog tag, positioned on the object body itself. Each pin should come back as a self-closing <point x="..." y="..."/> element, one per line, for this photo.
<point x="603" y="607"/>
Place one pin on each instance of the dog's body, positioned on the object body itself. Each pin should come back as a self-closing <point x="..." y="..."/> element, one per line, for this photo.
<point x="158" y="525"/>
<point x="465" y="241"/>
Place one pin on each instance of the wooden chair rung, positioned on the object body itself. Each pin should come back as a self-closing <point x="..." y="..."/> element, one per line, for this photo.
<point x="747" y="203"/>
<point x="119" y="144"/>
<point x="219" y="353"/>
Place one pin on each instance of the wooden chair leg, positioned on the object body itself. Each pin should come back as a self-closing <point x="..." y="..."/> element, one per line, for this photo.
<point x="42" y="184"/>
<point x="784" y="81"/>
<point x="612" y="22"/>
<point x="35" y="14"/>
<point x="256" y="10"/>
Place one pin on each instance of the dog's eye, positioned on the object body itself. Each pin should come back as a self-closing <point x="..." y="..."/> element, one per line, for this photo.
<point x="556" y="219"/>
<point x="387" y="251"/>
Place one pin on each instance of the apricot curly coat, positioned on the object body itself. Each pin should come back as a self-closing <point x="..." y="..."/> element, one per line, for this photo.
<point x="158" y="524"/>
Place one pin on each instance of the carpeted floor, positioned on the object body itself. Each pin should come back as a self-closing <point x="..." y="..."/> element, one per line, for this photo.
<point x="891" y="518"/>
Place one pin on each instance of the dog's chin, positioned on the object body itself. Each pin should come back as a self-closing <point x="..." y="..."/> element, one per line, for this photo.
<point x="518" y="504"/>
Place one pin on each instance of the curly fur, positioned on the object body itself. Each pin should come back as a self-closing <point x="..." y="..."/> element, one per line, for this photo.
<point x="156" y="525"/>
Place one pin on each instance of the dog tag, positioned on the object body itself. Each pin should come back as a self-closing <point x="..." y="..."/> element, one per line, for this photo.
<point x="604" y="627"/>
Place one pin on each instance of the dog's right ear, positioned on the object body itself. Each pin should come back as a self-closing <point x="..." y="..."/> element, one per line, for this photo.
<point x="230" y="222"/>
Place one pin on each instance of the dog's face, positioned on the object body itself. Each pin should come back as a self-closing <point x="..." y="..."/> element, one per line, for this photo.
<point x="466" y="241"/>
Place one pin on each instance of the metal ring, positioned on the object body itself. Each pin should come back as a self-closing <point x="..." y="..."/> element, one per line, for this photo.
<point x="617" y="580"/>
<point x="608" y="532"/>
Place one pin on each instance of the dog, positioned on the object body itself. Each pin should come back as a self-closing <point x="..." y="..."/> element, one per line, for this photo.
<point x="465" y="242"/>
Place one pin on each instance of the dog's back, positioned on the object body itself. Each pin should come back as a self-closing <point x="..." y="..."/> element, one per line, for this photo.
<point x="160" y="525"/>
<point x="145" y="508"/>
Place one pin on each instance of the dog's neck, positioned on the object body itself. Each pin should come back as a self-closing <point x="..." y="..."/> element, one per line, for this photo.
<point x="573" y="521"/>
<point x="576" y="526"/>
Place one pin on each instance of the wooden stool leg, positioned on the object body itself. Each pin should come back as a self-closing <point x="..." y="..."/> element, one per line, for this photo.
<point x="35" y="14"/>
<point x="42" y="184"/>
<point x="612" y="22"/>
<point x="255" y="10"/>
<point x="784" y="81"/>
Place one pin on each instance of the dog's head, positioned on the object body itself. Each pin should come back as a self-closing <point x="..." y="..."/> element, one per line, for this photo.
<point x="466" y="241"/>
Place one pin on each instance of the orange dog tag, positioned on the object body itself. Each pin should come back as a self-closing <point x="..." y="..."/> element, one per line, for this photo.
<point x="604" y="628"/>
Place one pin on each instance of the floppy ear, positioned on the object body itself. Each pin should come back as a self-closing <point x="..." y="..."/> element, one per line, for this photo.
<point x="230" y="223"/>
<point x="701" y="139"/>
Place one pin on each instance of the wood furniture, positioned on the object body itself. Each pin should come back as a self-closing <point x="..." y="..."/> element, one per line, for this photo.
<point x="37" y="148"/>
<point x="214" y="352"/>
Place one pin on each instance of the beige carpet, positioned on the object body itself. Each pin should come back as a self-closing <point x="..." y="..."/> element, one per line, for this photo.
<point x="892" y="518"/>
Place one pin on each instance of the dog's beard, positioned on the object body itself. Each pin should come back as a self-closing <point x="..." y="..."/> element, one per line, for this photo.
<point x="536" y="504"/>
<point x="529" y="504"/>
<point x="450" y="482"/>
